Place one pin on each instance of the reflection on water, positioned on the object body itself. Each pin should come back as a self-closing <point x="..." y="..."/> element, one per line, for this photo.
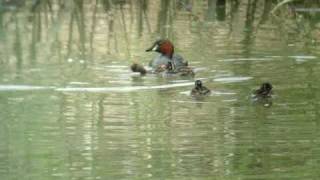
<point x="71" y="108"/>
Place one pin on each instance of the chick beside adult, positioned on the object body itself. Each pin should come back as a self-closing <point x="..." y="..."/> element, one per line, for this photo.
<point x="135" y="67"/>
<point x="180" y="71"/>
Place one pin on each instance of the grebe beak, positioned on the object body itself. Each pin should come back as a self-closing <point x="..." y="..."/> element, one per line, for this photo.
<point x="154" y="47"/>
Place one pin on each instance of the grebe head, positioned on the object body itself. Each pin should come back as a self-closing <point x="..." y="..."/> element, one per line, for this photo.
<point x="164" y="47"/>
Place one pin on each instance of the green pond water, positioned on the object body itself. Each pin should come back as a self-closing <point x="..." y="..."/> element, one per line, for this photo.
<point x="72" y="109"/>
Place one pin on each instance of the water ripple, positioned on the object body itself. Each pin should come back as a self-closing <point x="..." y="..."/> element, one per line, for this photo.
<point x="232" y="79"/>
<point x="123" y="89"/>
<point x="24" y="87"/>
